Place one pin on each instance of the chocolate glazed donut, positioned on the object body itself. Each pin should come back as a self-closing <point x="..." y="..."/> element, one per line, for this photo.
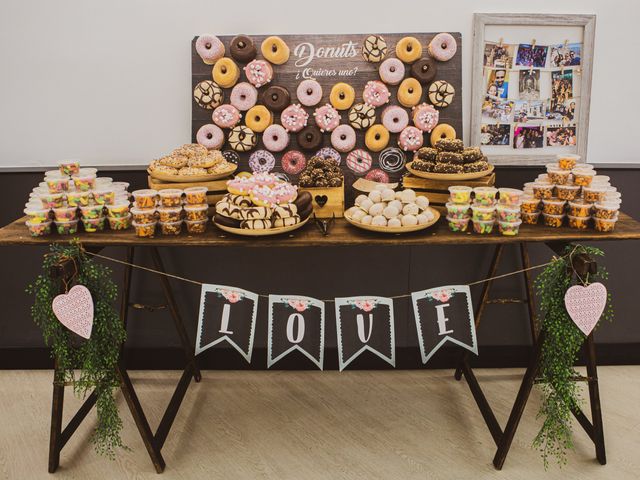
<point x="424" y="70"/>
<point x="310" y="137"/>
<point x="276" y="98"/>
<point x="242" y="49"/>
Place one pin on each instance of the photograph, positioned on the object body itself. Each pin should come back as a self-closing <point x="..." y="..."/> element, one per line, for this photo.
<point x="498" y="55"/>
<point x="531" y="55"/>
<point x="529" y="84"/>
<point x="528" y="137"/>
<point x="497" y="109"/>
<point x="495" y="134"/>
<point x="565" y="55"/>
<point x="498" y="83"/>
<point x="528" y="110"/>
<point x="561" y="136"/>
<point x="561" y="85"/>
<point x="561" y="111"/>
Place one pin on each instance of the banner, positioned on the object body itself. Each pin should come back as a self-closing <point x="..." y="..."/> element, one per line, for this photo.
<point x="295" y="323"/>
<point x="227" y="314"/>
<point x="444" y="314"/>
<point x="365" y="323"/>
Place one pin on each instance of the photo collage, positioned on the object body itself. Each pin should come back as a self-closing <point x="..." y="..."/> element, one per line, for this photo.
<point x="530" y="95"/>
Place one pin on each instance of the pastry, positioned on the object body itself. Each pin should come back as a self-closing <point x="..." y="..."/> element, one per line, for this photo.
<point x="442" y="131"/>
<point x="275" y="138"/>
<point x="395" y="118"/>
<point x="210" y="136"/>
<point x="258" y="72"/>
<point x="213" y="158"/>
<point x="422" y="166"/>
<point x="450" y="145"/>
<point x="409" y="92"/>
<point x="408" y="49"/>
<point x="441" y="93"/>
<point x="210" y="48"/>
<point x="427" y="154"/>
<point x="450" y="157"/>
<point x="342" y="96"/>
<point x="443" y="47"/>
<point x="447" y="168"/>
<point x="255" y="213"/>
<point x="275" y="50"/>
<point x="328" y="152"/>
<point x="208" y="94"/>
<point x="276" y="98"/>
<point x="228" y="209"/>
<point x="320" y="172"/>
<point x="231" y="156"/>
<point x="284" y="211"/>
<point x="410" y="139"/>
<point x="238" y="200"/>
<point x="243" y="96"/>
<point x="242" y="49"/>
<point x="309" y="138"/>
<point x="391" y="160"/>
<point x="343" y="138"/>
<point x="375" y="93"/>
<point x="226" y="221"/>
<point x="374" y="48"/>
<point x="362" y="116"/>
<point x="327" y="118"/>
<point x="376" y="138"/>
<point x="226" y="116"/>
<point x="262" y="224"/>
<point x="424" y="70"/>
<point x="284" y="193"/>
<point x="391" y="71"/>
<point x="359" y="161"/>
<point x="302" y="201"/>
<point x="476" y="166"/>
<point x="258" y="118"/>
<point x="225" y="72"/>
<point x="377" y="175"/>
<point x="241" y="138"/>
<point x="192" y="171"/>
<point x="425" y="117"/>
<point x="471" y="154"/>
<point x="261" y="161"/>
<point x="293" y="162"/>
<point x="173" y="161"/>
<point x="190" y="150"/>
<point x="309" y="93"/>
<point x="294" y="118"/>
<point x="286" y="222"/>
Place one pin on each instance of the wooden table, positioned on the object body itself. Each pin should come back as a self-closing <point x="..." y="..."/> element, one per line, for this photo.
<point x="340" y="234"/>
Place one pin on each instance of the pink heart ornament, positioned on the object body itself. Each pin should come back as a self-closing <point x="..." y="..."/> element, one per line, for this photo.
<point x="585" y="305"/>
<point x="74" y="310"/>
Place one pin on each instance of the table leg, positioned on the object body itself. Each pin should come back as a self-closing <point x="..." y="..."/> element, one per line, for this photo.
<point x="57" y="404"/>
<point x="530" y="295"/>
<point x="594" y="399"/>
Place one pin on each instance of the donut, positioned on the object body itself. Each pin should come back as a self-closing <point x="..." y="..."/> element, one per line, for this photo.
<point x="285" y="192"/>
<point x="328" y="152"/>
<point x="226" y="221"/>
<point x="441" y="93"/>
<point x="408" y="49"/>
<point x="293" y="162"/>
<point x="443" y="47"/>
<point x="409" y="92"/>
<point x="392" y="159"/>
<point x="362" y="116"/>
<point x="342" y="96"/>
<point x="303" y="200"/>
<point x="444" y="130"/>
<point x="327" y="118"/>
<point x="275" y="50"/>
<point x="343" y="138"/>
<point x="281" y="176"/>
<point x="241" y="138"/>
<point x="275" y="138"/>
<point x="261" y="161"/>
<point x="424" y="70"/>
<point x="226" y="116"/>
<point x="374" y="48"/>
<point x="207" y="94"/>
<point x="391" y="71"/>
<point x="262" y="179"/>
<point x="410" y="139"/>
<point x="243" y="96"/>
<point x="276" y="98"/>
<point x="294" y="118"/>
<point x="257" y="224"/>
<point x="309" y="93"/>
<point x="242" y="49"/>
<point x="225" y="72"/>
<point x="263" y="196"/>
<point x="309" y="138"/>
<point x="210" y="48"/>
<point x="258" y="118"/>
<point x="376" y="138"/>
<point x="258" y="72"/>
<point x="375" y="93"/>
<point x="210" y="136"/>
<point x="395" y="118"/>
<point x="377" y="175"/>
<point x="286" y="222"/>
<point x="231" y="156"/>
<point x="425" y="117"/>
<point x="359" y="161"/>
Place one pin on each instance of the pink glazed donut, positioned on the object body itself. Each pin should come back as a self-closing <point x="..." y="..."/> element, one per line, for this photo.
<point x="391" y="71"/>
<point x="309" y="93"/>
<point x="210" y="48"/>
<point x="343" y="138"/>
<point x="294" y="118"/>
<point x="375" y="93"/>
<point x="410" y="139"/>
<point x="443" y="47"/>
<point x="359" y="161"/>
<point x="395" y="118"/>
<point x="293" y="162"/>
<point x="377" y="175"/>
<point x="275" y="138"/>
<point x="226" y="116"/>
<point x="244" y="96"/>
<point x="425" y="117"/>
<point x="258" y="72"/>
<point x="210" y="136"/>
<point x="327" y="118"/>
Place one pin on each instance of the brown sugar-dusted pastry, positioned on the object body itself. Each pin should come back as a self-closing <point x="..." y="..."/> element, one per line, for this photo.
<point x="471" y="154"/>
<point x="450" y="157"/>
<point x="427" y="154"/>
<point x="447" y="168"/>
<point x="450" y="145"/>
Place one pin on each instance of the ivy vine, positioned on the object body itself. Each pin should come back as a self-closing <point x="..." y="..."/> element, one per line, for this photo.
<point x="561" y="394"/>
<point x="97" y="357"/>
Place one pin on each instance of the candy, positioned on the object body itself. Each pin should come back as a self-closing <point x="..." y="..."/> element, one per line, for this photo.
<point x="509" y="228"/>
<point x="120" y="223"/>
<point x="510" y="196"/>
<point x="51" y="200"/>
<point x="143" y="215"/>
<point x="145" y="198"/>
<point x="69" y="167"/>
<point x="458" y="225"/>
<point x="582" y="176"/>
<point x="530" y="218"/>
<point x="91" y="211"/>
<point x="38" y="215"/>
<point x="553" y="206"/>
<point x="507" y="213"/>
<point x="482" y="212"/>
<point x="169" y="214"/>
<point x="567" y="161"/>
<point x="57" y="185"/>
<point x="579" y="208"/>
<point x="607" y="211"/>
<point x="78" y="199"/>
<point x="557" y="175"/>
<point x="118" y="210"/>
<point x="65" y="213"/>
<point x="578" y="222"/>
<point x="68" y="227"/>
<point x="84" y="182"/>
<point x="171" y="228"/>
<point x="485" y="195"/>
<point x="458" y="211"/>
<point x="39" y="229"/>
<point x="594" y="194"/>
<point x="196" y="212"/>
<point x="144" y="229"/>
<point x="542" y="190"/>
<point x="460" y="194"/>
<point x="552" y="220"/>
<point x="105" y="196"/>
<point x="529" y="205"/>
<point x="483" y="226"/>
<point x="93" y="224"/>
<point x="195" y="195"/>
<point x="567" y="192"/>
<point x="198" y="226"/>
<point x="604" y="225"/>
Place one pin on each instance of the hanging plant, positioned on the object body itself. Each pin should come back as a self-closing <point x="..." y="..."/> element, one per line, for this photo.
<point x="97" y="357"/>
<point x="563" y="339"/>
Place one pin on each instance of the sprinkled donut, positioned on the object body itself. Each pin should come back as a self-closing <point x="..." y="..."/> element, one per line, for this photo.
<point x="261" y="161"/>
<point x="208" y="95"/>
<point x="342" y="96"/>
<point x="409" y="92"/>
<point x="210" y="48"/>
<point x="293" y="162"/>
<point x="275" y="138"/>
<point x="441" y="93"/>
<point x="210" y="136"/>
<point x="391" y="159"/>
<point x="424" y="70"/>
<point x="362" y="116"/>
<point x="309" y="138"/>
<point x="242" y="49"/>
<point x="377" y="175"/>
<point x="258" y="72"/>
<point x="294" y="118"/>
<point x="375" y="93"/>
<point x="443" y="47"/>
<point x="425" y="117"/>
<point x="327" y="118"/>
<point x="231" y="156"/>
<point x="343" y="138"/>
<point x="225" y="72"/>
<point x="328" y="152"/>
<point x="243" y="96"/>
<point x="241" y="138"/>
<point x="444" y="130"/>
<point x="376" y="138"/>
<point x="408" y="49"/>
<point x="285" y="192"/>
<point x="391" y="71"/>
<point x="410" y="139"/>
<point x="395" y="118"/>
<point x="226" y="116"/>
<point x="258" y="118"/>
<point x="374" y="48"/>
<point x="276" y="98"/>
<point x="309" y="93"/>
<point x="359" y="161"/>
<point x="275" y="50"/>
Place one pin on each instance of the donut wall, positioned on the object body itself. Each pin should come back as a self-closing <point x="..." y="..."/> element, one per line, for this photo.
<point x="334" y="82"/>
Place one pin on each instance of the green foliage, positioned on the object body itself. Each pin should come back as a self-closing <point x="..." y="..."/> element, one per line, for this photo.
<point x="563" y="340"/>
<point x="97" y="357"/>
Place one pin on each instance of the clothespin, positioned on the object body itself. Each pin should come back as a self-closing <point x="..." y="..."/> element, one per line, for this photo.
<point x="500" y="43"/>
<point x="533" y="43"/>
<point x="565" y="43"/>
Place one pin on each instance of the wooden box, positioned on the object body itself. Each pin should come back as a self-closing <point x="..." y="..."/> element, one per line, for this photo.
<point x="326" y="201"/>
<point x="215" y="188"/>
<point x="437" y="190"/>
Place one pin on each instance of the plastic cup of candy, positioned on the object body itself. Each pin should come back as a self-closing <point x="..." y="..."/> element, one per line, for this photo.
<point x="510" y="196"/>
<point x="529" y="204"/>
<point x="508" y="213"/>
<point x="145" y="198"/>
<point x="579" y="208"/>
<point x="91" y="211"/>
<point x="606" y="210"/>
<point x="84" y="182"/>
<point x="483" y="212"/>
<point x="605" y="224"/>
<point x="542" y="190"/>
<point x="457" y="210"/>
<point x="37" y="214"/>
<point x="170" y="214"/>
<point x="567" y="161"/>
<point x="601" y="180"/>
<point x="143" y="215"/>
<point x="543" y="178"/>
<point x="171" y="228"/>
<point x="553" y="206"/>
<point x="67" y="227"/>
<point x="68" y="167"/>
<point x="552" y="220"/>
<point x="458" y="224"/>
<point x="483" y="226"/>
<point x="197" y="226"/>
<point x="120" y="186"/>
<point x="144" y="230"/>
<point x="509" y="228"/>
<point x="92" y="225"/>
<point x="104" y="182"/>
<point x="51" y="200"/>
<point x="88" y="171"/>
<point x="78" y="199"/>
<point x="104" y="196"/>
<point x="460" y="194"/>
<point x="567" y="192"/>
<point x="528" y="189"/>
<point x="195" y="195"/>
<point x="530" y="218"/>
<point x="57" y="184"/>
<point x="485" y="195"/>
<point x="118" y="210"/>
<point x="557" y="175"/>
<point x="65" y="213"/>
<point x="196" y="212"/>
<point x="170" y="197"/>
<point x="38" y="228"/>
<point x="119" y="223"/>
<point x="612" y="194"/>
<point x="581" y="223"/>
<point x="582" y="176"/>
<point x="594" y="193"/>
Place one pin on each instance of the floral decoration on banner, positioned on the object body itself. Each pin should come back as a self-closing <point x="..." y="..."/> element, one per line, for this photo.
<point x="298" y="304"/>
<point x="442" y="296"/>
<point x="232" y="296"/>
<point x="366" y="304"/>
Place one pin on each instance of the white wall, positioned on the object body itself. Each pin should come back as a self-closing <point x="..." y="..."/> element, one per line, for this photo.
<point x="108" y="81"/>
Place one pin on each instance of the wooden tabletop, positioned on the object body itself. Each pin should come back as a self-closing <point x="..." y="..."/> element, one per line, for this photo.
<point x="341" y="233"/>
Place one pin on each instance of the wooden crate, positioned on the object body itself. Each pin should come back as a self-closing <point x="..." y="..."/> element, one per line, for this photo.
<point x="437" y="190"/>
<point x="215" y="189"/>
<point x="326" y="201"/>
